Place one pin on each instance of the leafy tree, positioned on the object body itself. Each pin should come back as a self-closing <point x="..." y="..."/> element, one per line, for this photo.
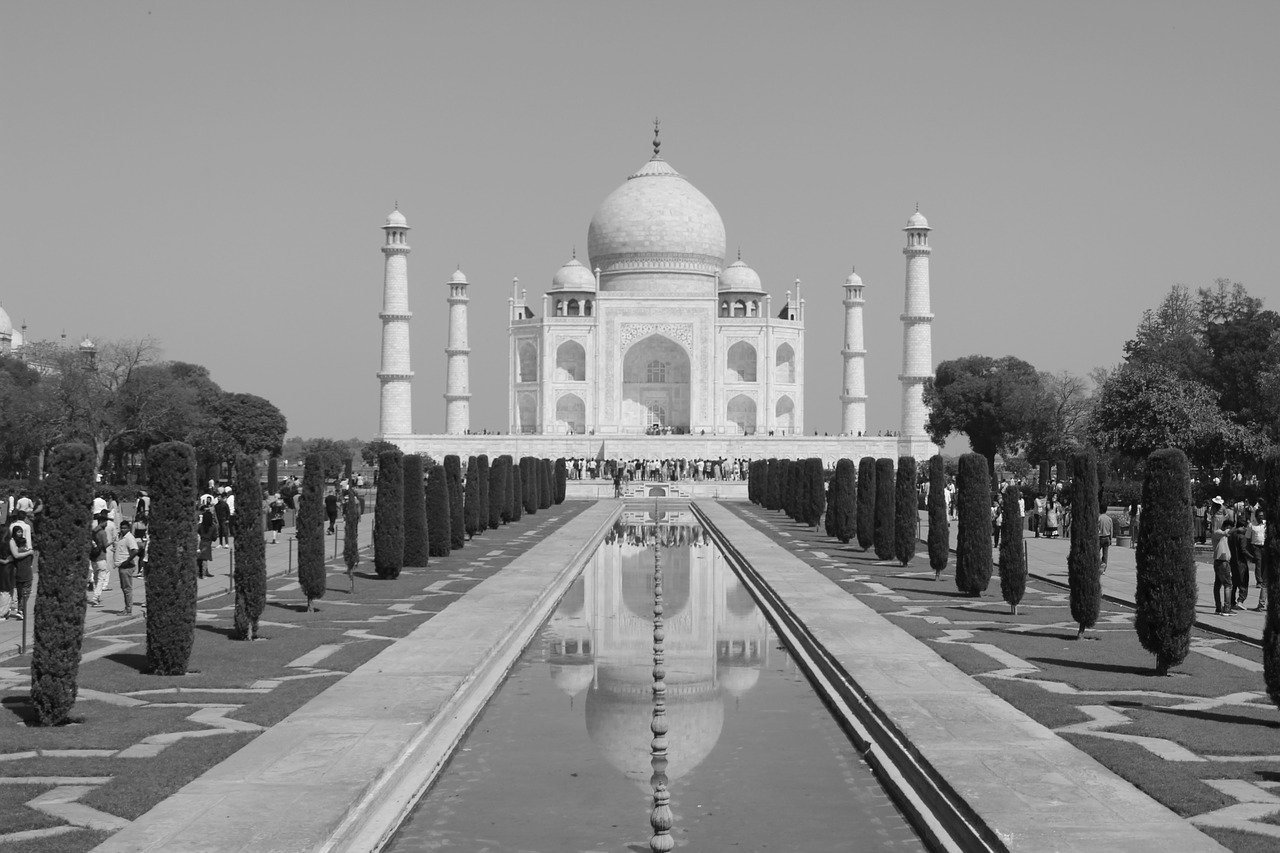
<point x="1084" y="560"/>
<point x="1059" y="428"/>
<point x="171" y="558"/>
<point x="906" y="511"/>
<point x="416" y="547"/>
<point x="1170" y="337"/>
<point x="973" y="518"/>
<point x="471" y="507"/>
<point x="251" y="550"/>
<point x="1013" y="564"/>
<point x="1165" y="596"/>
<point x="866" y="502"/>
<point x="254" y="423"/>
<point x="273" y="475"/>
<point x="457" y="510"/>
<point x="845" y="508"/>
<point x="372" y="450"/>
<point x="997" y="403"/>
<point x="1271" y="577"/>
<point x="60" y="598"/>
<point x="883" y="535"/>
<point x="939" y="523"/>
<point x="482" y="462"/>
<point x="310" y="529"/>
<point x="333" y="456"/>
<point x="438" y="513"/>
<point x="388" y="515"/>
<point x="562" y="480"/>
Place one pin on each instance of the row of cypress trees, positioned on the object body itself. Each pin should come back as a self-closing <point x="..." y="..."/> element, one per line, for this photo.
<point x="418" y="517"/>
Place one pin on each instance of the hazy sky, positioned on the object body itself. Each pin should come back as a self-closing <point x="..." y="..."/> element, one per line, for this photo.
<point x="216" y="174"/>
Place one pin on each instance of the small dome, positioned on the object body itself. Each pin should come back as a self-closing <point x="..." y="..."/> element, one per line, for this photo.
<point x="917" y="220"/>
<point x="87" y="343"/>
<point x="395" y="219"/>
<point x="739" y="276"/>
<point x="6" y="325"/>
<point x="573" y="276"/>
<point x="854" y="278"/>
<point x="457" y="277"/>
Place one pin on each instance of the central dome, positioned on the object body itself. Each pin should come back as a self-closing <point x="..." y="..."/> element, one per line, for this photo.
<point x="657" y="220"/>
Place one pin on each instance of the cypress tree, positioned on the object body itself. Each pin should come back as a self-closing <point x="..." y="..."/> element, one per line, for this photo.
<point x="416" y="550"/>
<point x="497" y="493"/>
<point x="457" y="512"/>
<point x="816" y="491"/>
<point x="1271" y="576"/>
<point x="845" y="508"/>
<point x="883" y="535"/>
<point x="939" y="523"/>
<point x="251" y="550"/>
<point x="471" y="515"/>
<point x="346" y="468"/>
<point x="1165" y="596"/>
<point x="60" y="599"/>
<point x="866" y="502"/>
<point x="310" y="530"/>
<point x="1044" y="477"/>
<point x="486" y="478"/>
<point x="906" y="511"/>
<point x="388" y="515"/>
<point x="1083" y="560"/>
<point x="798" y="480"/>
<point x="351" y="538"/>
<point x="754" y="477"/>
<point x="773" y="485"/>
<point x="1013" y="565"/>
<point x="273" y="476"/>
<point x="506" y="497"/>
<point x="438" y="512"/>
<point x="517" y="491"/>
<point x="833" y="498"/>
<point x="171" y="558"/>
<point x="973" y="518"/>
<point x="546" y="484"/>
<point x="528" y="486"/>
<point x="562" y="480"/>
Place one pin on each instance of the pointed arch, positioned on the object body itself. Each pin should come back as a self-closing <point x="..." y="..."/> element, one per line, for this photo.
<point x="742" y="411"/>
<point x="528" y="354"/>
<point x="571" y="415"/>
<point x="784" y="366"/>
<point x="784" y="417"/>
<point x="740" y="363"/>
<point x="571" y="362"/>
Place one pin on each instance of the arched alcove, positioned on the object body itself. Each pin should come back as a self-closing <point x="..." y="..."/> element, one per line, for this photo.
<point x="571" y="415"/>
<point x="740" y="363"/>
<point x="785" y="415"/>
<point x="655" y="372"/>
<point x="571" y="362"/>
<point x="742" y="411"/>
<point x="528" y="362"/>
<point x="527" y="412"/>
<point x="784" y="367"/>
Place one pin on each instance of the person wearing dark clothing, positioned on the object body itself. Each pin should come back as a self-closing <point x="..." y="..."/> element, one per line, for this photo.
<point x="207" y="531"/>
<point x="331" y="510"/>
<point x="222" y="512"/>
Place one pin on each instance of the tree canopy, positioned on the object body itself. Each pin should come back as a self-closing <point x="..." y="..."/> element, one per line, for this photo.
<point x="996" y="402"/>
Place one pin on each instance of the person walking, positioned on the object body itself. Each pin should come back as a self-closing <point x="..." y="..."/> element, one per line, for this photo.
<point x="125" y="557"/>
<point x="1105" y="528"/>
<point x="207" y="531"/>
<point x="331" y="511"/>
<point x="275" y="516"/>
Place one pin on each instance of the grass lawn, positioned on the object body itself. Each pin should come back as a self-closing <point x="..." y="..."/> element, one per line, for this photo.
<point x="235" y="688"/>
<point x="1213" y="705"/>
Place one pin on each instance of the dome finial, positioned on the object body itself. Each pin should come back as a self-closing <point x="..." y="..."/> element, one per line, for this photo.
<point x="657" y="143"/>
<point x="575" y="251"/>
<point x="739" y="253"/>
<point x="917" y="207"/>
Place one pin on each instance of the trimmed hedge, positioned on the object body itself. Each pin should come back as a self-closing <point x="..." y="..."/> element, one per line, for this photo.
<point x="1083" y="560"/>
<point x="1165" y="596"/>
<point x="866" y="502"/>
<point x="497" y="493"/>
<point x="1013" y="565"/>
<point x="60" y="599"/>
<point x="171" y="557"/>
<point x="438" y="512"/>
<point x="351" y="535"/>
<point x="517" y="491"/>
<point x="845" y="508"/>
<point x="486" y="505"/>
<point x="310" y="529"/>
<point x="457" y="509"/>
<point x="251" y="550"/>
<point x="1271" y="576"/>
<point x="773" y="485"/>
<point x="562" y="480"/>
<point x="528" y="485"/>
<point x="939" y="523"/>
<point x="273" y="475"/>
<point x="973" y="520"/>
<point x="882" y="535"/>
<point x="417" y="552"/>
<point x="388" y="515"/>
<point x="906" y="511"/>
<point x="829" y="520"/>
<point x="548" y="485"/>
<point x="471" y="504"/>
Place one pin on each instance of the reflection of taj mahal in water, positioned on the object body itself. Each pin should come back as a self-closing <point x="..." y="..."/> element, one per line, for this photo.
<point x="656" y="334"/>
<point x="601" y="644"/>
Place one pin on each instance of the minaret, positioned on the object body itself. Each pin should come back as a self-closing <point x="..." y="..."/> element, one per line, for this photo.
<point x="457" y="395"/>
<point x="854" y="398"/>
<point x="396" y="408"/>
<point x="917" y="348"/>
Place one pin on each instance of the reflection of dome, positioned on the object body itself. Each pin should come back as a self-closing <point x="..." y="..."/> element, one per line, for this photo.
<point x="738" y="600"/>
<point x="917" y="220"/>
<point x="618" y="716"/>
<point x="574" y="597"/>
<point x="395" y="219"/>
<point x="637" y="582"/>
<point x="739" y="276"/>
<point x="573" y="276"/>
<point x="656" y="220"/>
<point x="572" y="678"/>
<point x="737" y="679"/>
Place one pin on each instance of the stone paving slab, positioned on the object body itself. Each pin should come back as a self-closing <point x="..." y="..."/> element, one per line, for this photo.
<point x="1033" y="788"/>
<point x="338" y="773"/>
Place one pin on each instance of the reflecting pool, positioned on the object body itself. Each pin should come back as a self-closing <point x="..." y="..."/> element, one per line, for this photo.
<point x="560" y="758"/>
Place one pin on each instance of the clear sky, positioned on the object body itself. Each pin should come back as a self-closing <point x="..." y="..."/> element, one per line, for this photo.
<point x="216" y="174"/>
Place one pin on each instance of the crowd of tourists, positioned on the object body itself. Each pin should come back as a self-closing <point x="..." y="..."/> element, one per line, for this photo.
<point x="665" y="470"/>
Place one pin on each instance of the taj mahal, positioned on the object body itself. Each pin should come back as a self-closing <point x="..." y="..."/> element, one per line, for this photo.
<point x="656" y="346"/>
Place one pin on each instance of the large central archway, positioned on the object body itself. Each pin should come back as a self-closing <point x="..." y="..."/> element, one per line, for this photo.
<point x="655" y="378"/>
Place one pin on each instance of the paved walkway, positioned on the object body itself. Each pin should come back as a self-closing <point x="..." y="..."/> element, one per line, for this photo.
<point x="1047" y="560"/>
<point x="282" y="558"/>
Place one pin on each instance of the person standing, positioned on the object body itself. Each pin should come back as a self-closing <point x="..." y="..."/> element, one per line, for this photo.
<point x="1051" y="512"/>
<point x="1222" y="570"/>
<point x="331" y="510"/>
<point x="99" y="555"/>
<point x="207" y="531"/>
<point x="21" y="556"/>
<point x="275" y="516"/>
<point x="222" y="513"/>
<point x="1258" y="536"/>
<point x="1105" y="528"/>
<point x="125" y="557"/>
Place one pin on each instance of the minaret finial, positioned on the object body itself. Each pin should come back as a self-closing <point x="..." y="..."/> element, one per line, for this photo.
<point x="575" y="251"/>
<point x="739" y="253"/>
<point x="657" y="143"/>
<point x="397" y="204"/>
<point x="917" y="207"/>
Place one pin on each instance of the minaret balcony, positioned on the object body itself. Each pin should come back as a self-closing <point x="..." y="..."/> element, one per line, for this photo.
<point x="395" y="315"/>
<point x="398" y="249"/>
<point x="916" y="318"/>
<point x="393" y="377"/>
